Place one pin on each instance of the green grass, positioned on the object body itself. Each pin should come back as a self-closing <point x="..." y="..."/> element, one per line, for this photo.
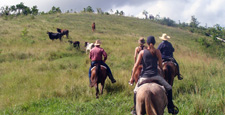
<point x="38" y="76"/>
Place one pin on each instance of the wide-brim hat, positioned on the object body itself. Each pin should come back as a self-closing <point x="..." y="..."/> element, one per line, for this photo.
<point x="97" y="43"/>
<point x="141" y="40"/>
<point x="165" y="37"/>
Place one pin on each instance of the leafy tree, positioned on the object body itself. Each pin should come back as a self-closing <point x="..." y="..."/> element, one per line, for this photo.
<point x="34" y="10"/>
<point x="121" y="13"/>
<point x="55" y="10"/>
<point x="20" y="7"/>
<point x="26" y="10"/>
<point x="13" y="8"/>
<point x="194" y="23"/>
<point x="145" y="13"/>
<point x="117" y="12"/>
<point x="99" y="11"/>
<point x="89" y="9"/>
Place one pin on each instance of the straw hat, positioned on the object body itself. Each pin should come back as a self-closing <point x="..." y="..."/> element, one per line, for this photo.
<point x="141" y="40"/>
<point x="164" y="37"/>
<point x="97" y="43"/>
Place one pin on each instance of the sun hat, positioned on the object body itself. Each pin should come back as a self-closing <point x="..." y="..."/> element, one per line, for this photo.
<point x="151" y="39"/>
<point x="141" y="40"/>
<point x="165" y="37"/>
<point x="97" y="43"/>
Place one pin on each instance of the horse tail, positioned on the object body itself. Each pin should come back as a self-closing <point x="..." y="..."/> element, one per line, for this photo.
<point x="98" y="71"/>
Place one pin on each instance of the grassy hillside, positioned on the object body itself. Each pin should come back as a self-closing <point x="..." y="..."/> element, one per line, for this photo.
<point x="40" y="76"/>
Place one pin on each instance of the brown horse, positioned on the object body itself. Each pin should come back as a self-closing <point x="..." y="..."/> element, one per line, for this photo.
<point x="170" y="71"/>
<point x="98" y="75"/>
<point x="63" y="32"/>
<point x="151" y="99"/>
<point x="93" y="26"/>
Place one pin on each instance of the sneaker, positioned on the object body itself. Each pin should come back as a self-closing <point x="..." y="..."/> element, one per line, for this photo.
<point x="113" y="81"/>
<point x="133" y="112"/>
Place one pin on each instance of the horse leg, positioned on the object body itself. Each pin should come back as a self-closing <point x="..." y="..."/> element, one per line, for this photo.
<point x="97" y="91"/>
<point x="102" y="87"/>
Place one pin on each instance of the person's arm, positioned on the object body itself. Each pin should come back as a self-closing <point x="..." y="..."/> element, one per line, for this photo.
<point x="135" y="54"/>
<point x="105" y="55"/>
<point x="159" y="56"/>
<point x="136" y="66"/>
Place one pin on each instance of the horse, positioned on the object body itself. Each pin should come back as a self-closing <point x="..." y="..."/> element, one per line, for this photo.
<point x="93" y="26"/>
<point x="88" y="46"/>
<point x="63" y="32"/>
<point x="151" y="99"/>
<point x="98" y="75"/>
<point x="170" y="71"/>
<point x="53" y="36"/>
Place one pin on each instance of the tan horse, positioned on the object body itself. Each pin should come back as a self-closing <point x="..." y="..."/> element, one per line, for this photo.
<point x="151" y="99"/>
<point x="170" y="71"/>
<point x="98" y="75"/>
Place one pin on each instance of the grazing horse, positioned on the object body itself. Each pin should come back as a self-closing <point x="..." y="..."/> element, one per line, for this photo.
<point x="151" y="99"/>
<point x="63" y="32"/>
<point x="93" y="26"/>
<point x="98" y="75"/>
<point x="88" y="46"/>
<point x="53" y="36"/>
<point x="170" y="71"/>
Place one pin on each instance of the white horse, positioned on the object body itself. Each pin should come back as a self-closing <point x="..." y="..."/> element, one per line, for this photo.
<point x="88" y="46"/>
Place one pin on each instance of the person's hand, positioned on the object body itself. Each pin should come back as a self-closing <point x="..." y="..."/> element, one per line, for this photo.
<point x="131" y="81"/>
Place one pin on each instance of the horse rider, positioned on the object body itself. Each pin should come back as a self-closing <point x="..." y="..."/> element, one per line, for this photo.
<point x="141" y="46"/>
<point x="167" y="50"/>
<point x="151" y="58"/>
<point x="95" y="55"/>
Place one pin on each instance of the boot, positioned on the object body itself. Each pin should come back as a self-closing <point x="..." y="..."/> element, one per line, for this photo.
<point x="171" y="107"/>
<point x="111" y="78"/>
<point x="133" y="112"/>
<point x="179" y="76"/>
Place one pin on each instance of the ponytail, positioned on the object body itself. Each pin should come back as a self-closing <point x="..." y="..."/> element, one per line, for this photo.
<point x="152" y="49"/>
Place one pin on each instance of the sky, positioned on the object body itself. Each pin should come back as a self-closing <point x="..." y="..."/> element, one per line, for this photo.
<point x="207" y="12"/>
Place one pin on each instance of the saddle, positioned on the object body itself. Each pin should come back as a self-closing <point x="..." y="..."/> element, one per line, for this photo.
<point x="150" y="81"/>
<point x="169" y="60"/>
<point x="100" y="65"/>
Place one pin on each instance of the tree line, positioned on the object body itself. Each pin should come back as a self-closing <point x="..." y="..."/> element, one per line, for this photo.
<point x="193" y="26"/>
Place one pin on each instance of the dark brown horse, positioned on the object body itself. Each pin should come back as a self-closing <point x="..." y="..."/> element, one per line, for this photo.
<point x="98" y="75"/>
<point x="170" y="71"/>
<point x="63" y="32"/>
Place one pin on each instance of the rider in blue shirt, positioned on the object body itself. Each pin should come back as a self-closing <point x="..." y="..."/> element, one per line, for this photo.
<point x="167" y="50"/>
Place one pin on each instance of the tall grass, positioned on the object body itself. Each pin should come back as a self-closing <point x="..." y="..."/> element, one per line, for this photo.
<point x="40" y="76"/>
